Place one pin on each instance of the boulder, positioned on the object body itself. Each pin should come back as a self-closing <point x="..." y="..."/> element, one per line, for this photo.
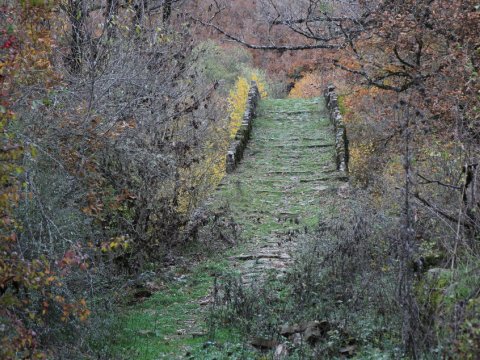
<point x="296" y="339"/>
<point x="315" y="330"/>
<point x="288" y="330"/>
<point x="348" y="350"/>
<point x="281" y="352"/>
<point x="263" y="344"/>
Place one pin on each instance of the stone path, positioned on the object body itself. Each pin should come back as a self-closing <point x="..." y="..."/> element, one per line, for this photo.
<point x="279" y="188"/>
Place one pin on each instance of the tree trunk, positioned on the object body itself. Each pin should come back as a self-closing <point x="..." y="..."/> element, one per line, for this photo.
<point x="406" y="296"/>
<point x="470" y="199"/>
<point x="167" y="10"/>
<point x="77" y="15"/>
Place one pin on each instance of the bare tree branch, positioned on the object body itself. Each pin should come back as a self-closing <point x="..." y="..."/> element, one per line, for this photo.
<point x="438" y="211"/>
<point x="428" y="181"/>
<point x="268" y="47"/>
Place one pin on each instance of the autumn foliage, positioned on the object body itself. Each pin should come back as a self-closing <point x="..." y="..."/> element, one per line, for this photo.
<point x="420" y="67"/>
<point x="238" y="99"/>
<point x="308" y="86"/>
<point x="30" y="288"/>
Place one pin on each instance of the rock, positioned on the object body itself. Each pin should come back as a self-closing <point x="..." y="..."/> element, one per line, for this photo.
<point x="206" y="300"/>
<point x="348" y="350"/>
<point x="208" y="344"/>
<point x="264" y="255"/>
<point x="296" y="339"/>
<point x="281" y="352"/>
<point x="263" y="344"/>
<point x="142" y="294"/>
<point x="436" y="273"/>
<point x="181" y="278"/>
<point x="197" y="334"/>
<point x="146" y="332"/>
<point x="315" y="330"/>
<point x="288" y="330"/>
<point x="312" y="335"/>
<point x="344" y="191"/>
<point x="153" y="286"/>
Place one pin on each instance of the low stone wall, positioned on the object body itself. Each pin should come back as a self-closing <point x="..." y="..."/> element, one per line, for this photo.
<point x="341" y="140"/>
<point x="237" y="147"/>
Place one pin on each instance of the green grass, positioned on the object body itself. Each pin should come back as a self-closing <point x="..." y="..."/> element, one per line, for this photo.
<point x="153" y="329"/>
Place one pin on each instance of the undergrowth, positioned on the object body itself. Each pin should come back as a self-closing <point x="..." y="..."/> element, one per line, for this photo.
<point x="342" y="277"/>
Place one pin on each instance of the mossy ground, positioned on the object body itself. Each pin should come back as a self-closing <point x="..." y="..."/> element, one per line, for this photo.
<point x="286" y="170"/>
<point x="283" y="184"/>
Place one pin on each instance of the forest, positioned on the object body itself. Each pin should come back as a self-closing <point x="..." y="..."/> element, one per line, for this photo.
<point x="249" y="179"/>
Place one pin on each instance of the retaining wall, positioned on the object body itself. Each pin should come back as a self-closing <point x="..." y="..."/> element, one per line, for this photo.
<point x="237" y="147"/>
<point x="341" y="140"/>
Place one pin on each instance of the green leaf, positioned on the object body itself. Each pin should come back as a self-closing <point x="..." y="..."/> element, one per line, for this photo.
<point x="33" y="151"/>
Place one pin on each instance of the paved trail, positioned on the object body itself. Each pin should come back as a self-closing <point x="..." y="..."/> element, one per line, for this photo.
<point x="278" y="188"/>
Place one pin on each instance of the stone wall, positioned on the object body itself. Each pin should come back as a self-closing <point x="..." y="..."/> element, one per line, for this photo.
<point x="237" y="147"/>
<point x="341" y="140"/>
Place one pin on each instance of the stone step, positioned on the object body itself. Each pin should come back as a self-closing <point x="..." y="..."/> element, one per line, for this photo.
<point x="265" y="255"/>
<point x="301" y="146"/>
